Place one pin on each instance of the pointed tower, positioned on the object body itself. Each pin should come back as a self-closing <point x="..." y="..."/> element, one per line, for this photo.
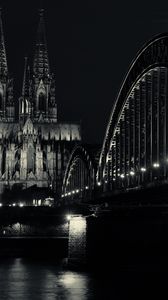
<point x="41" y="67"/>
<point x="3" y="60"/>
<point x="26" y="79"/>
<point x="7" y="110"/>
<point x="43" y="81"/>
<point x="25" y="101"/>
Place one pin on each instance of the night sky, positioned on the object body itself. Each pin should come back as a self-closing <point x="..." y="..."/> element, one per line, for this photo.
<point x="91" y="45"/>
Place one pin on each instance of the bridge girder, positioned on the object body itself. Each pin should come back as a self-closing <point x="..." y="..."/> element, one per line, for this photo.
<point x="135" y="146"/>
<point x="80" y="175"/>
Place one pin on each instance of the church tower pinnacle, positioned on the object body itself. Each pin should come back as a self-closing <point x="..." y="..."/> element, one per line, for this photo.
<point x="38" y="91"/>
<point x="43" y="82"/>
<point x="3" y="59"/>
<point x="7" y="109"/>
<point x="25" y="103"/>
<point x="41" y="62"/>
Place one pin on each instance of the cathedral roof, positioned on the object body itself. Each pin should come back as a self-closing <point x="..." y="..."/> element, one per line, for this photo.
<point x="47" y="131"/>
<point x="9" y="130"/>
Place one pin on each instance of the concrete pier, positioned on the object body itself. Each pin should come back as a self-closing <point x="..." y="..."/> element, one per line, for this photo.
<point x="77" y="240"/>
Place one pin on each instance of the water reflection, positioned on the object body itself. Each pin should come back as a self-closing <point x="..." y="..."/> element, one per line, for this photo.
<point x="12" y="279"/>
<point x="74" y="285"/>
<point x="20" y="279"/>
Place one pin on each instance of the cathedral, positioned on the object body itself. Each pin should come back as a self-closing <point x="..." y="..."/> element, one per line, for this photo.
<point x="34" y="146"/>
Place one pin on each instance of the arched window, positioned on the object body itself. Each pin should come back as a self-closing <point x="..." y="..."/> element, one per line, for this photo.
<point x="30" y="158"/>
<point x="42" y="102"/>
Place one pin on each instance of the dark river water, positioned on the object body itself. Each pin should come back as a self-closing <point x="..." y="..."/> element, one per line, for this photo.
<point x="22" y="279"/>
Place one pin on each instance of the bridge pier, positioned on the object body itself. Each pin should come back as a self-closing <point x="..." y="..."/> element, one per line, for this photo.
<point x="77" y="240"/>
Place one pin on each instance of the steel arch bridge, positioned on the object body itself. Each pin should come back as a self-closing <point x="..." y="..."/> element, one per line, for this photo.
<point x="135" y="147"/>
<point x="80" y="175"/>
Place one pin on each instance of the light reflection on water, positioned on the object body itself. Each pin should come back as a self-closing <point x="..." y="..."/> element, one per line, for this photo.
<point x="23" y="280"/>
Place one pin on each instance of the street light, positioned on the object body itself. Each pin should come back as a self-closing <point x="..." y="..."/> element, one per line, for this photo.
<point x="68" y="217"/>
<point x="156" y="165"/>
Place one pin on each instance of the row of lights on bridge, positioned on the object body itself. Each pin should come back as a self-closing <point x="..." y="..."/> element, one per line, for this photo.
<point x="14" y="204"/>
<point x="143" y="170"/>
<point x="21" y="205"/>
<point x="74" y="192"/>
<point x="132" y="173"/>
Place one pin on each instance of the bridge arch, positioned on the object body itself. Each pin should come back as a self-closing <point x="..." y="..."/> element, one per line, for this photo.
<point x="135" y="147"/>
<point x="80" y="175"/>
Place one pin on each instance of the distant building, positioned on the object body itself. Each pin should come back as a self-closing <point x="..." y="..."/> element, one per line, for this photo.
<point x="34" y="147"/>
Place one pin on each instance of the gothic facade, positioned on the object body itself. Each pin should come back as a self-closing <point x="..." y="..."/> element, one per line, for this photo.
<point x="34" y="146"/>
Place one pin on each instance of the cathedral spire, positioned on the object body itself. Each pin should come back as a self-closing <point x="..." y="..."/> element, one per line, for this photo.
<point x="26" y="78"/>
<point x="3" y="60"/>
<point x="41" y="62"/>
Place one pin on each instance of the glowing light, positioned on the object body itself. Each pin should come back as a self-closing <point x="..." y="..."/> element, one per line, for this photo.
<point x="78" y="226"/>
<point x="86" y="187"/>
<point x="73" y="192"/>
<point x="14" y="204"/>
<point x="77" y="191"/>
<point x="143" y="169"/>
<point x="68" y="217"/>
<point x="156" y="165"/>
<point x="106" y="181"/>
<point x="122" y="176"/>
<point x="69" y="194"/>
<point x="99" y="183"/>
<point x="0" y="204"/>
<point x="71" y="280"/>
<point x="68" y="280"/>
<point x="21" y="204"/>
<point x="132" y="173"/>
